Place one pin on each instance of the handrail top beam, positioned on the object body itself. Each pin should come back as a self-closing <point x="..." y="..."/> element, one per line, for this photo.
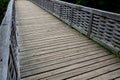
<point x="103" y="13"/>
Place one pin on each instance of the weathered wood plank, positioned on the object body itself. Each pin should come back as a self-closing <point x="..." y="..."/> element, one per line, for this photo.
<point x="117" y="78"/>
<point x="51" y="60"/>
<point x="80" y="18"/>
<point x="108" y="76"/>
<point x="60" y="54"/>
<point x="70" y="62"/>
<point x="54" y="43"/>
<point x="1" y="69"/>
<point x="50" y="50"/>
<point x="59" y="74"/>
<point x="35" y="52"/>
<point x="97" y="72"/>
<point x="49" y="40"/>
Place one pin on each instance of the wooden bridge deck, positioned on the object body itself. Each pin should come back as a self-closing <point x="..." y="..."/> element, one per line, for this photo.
<point x="51" y="50"/>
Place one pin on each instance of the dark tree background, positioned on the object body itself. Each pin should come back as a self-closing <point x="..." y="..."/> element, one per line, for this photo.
<point x="111" y="5"/>
<point x="3" y="6"/>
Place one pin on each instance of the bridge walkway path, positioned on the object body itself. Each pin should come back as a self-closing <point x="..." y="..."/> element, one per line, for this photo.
<point x="52" y="50"/>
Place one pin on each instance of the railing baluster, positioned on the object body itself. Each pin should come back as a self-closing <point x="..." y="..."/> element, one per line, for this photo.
<point x="60" y="11"/>
<point x="72" y="12"/>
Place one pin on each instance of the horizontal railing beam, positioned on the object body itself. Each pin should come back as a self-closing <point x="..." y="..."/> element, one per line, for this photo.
<point x="93" y="10"/>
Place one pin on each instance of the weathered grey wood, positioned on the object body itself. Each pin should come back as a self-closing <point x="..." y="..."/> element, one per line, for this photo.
<point x="117" y="78"/>
<point x="8" y="44"/>
<point x="77" y="71"/>
<point x="83" y="19"/>
<point x="88" y="9"/>
<point x="59" y="74"/>
<point x="109" y="75"/>
<point x="50" y="55"/>
<point x="74" y="60"/>
<point x="98" y="72"/>
<point x="50" y="61"/>
<point x="1" y="68"/>
<point x="51" y="50"/>
<point x="90" y="25"/>
<point x="4" y="40"/>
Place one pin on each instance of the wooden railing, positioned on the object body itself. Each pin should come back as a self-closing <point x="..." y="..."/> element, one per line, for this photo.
<point x="101" y="26"/>
<point x="8" y="44"/>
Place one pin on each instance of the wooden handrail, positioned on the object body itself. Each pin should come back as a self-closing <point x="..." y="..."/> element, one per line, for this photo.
<point x="101" y="26"/>
<point x="8" y="44"/>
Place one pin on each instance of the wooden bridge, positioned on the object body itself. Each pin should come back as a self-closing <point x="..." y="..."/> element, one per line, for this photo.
<point x="55" y="40"/>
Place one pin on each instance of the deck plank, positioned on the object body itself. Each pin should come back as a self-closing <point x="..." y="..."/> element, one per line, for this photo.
<point x="56" y="55"/>
<point x="69" y="71"/>
<point x="46" y="68"/>
<point x="117" y="78"/>
<point x="49" y="62"/>
<point x="109" y="75"/>
<point x="51" y="50"/>
<point x="98" y="72"/>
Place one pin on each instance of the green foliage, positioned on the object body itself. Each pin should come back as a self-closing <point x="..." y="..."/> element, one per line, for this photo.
<point x="3" y="6"/>
<point x="83" y="2"/>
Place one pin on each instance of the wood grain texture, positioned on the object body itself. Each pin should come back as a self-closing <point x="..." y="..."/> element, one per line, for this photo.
<point x="101" y="26"/>
<point x="0" y="70"/>
<point x="51" y="50"/>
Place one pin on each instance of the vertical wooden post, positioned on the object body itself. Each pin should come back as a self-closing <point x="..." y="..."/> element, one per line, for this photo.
<point x="52" y="6"/>
<point x="60" y="11"/>
<point x="90" y="24"/>
<point x="72" y="16"/>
